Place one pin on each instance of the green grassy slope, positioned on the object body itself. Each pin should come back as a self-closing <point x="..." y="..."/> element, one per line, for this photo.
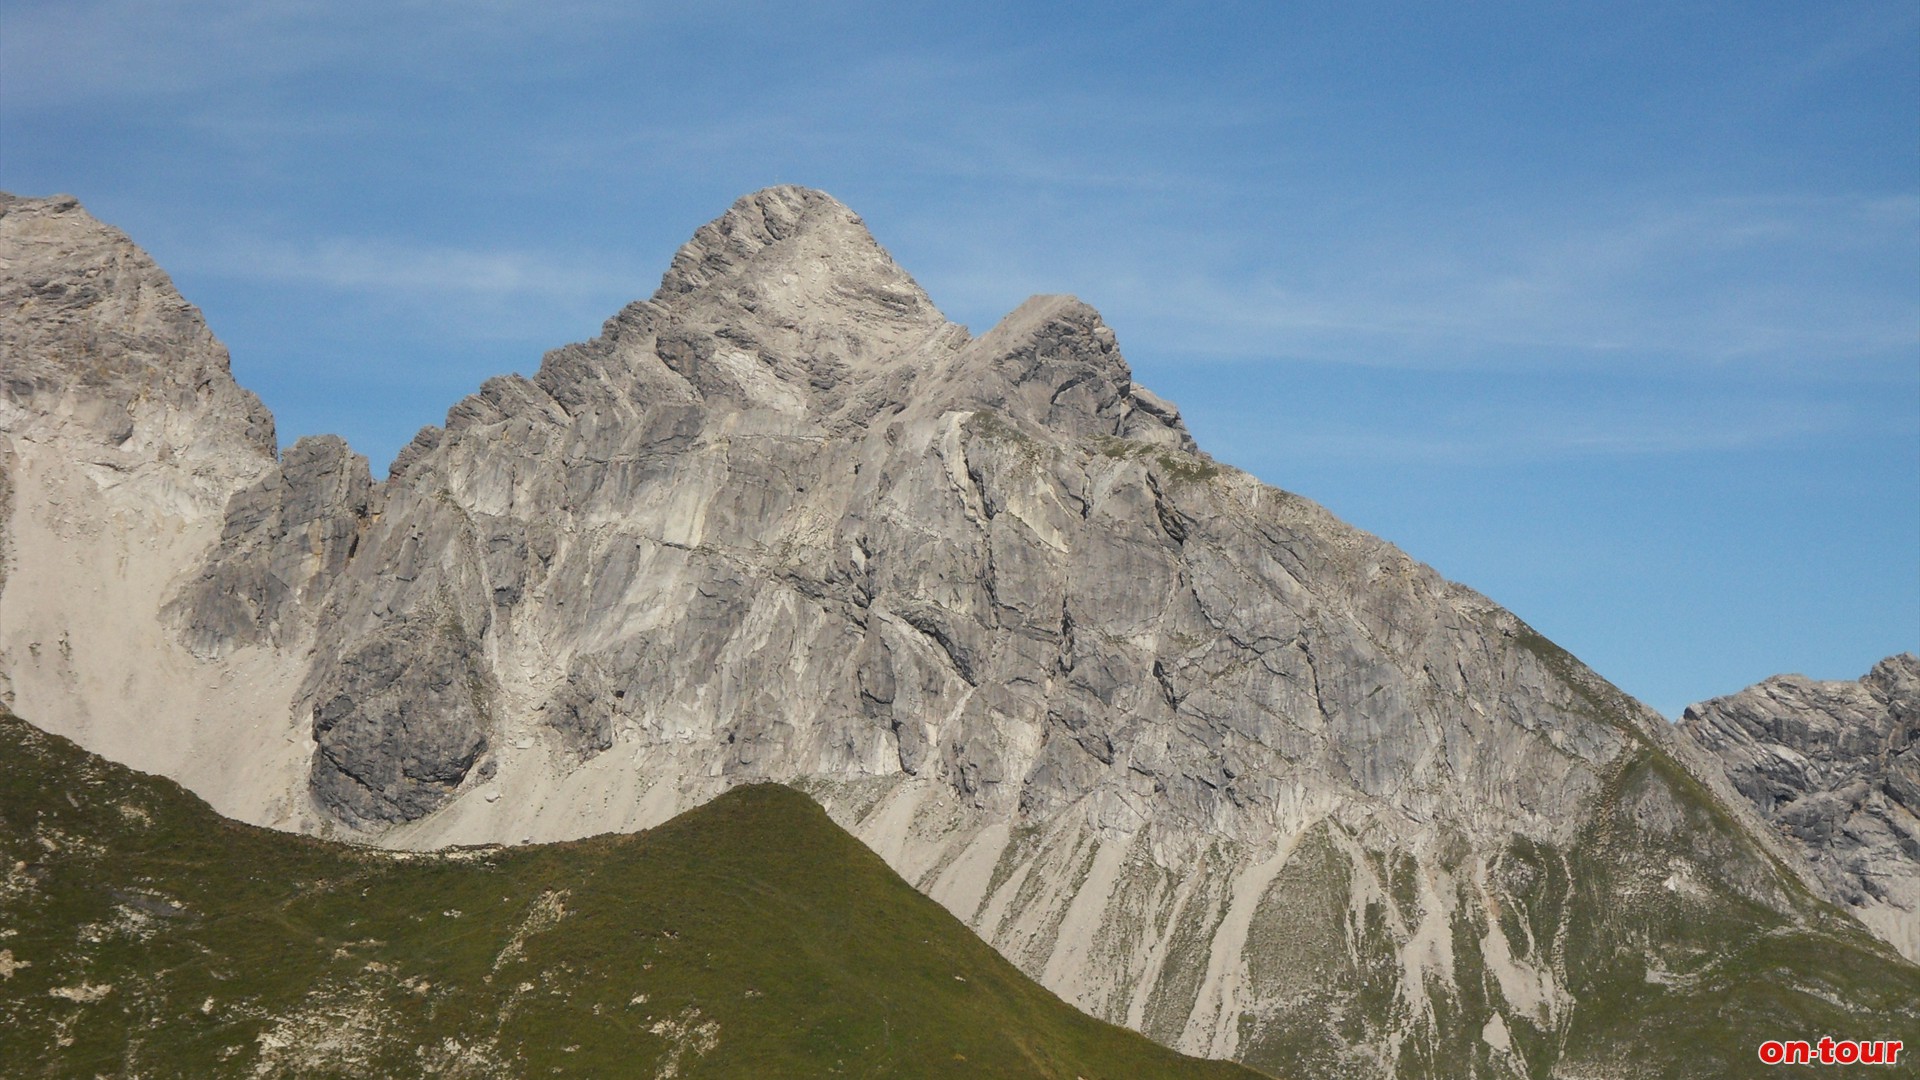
<point x="141" y="934"/>
<point x="1689" y="946"/>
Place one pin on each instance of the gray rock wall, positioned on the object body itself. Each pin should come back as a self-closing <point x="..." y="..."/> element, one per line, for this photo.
<point x="126" y="443"/>
<point x="1202" y="758"/>
<point x="1835" y="766"/>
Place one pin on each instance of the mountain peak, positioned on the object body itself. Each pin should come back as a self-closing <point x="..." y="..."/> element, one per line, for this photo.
<point x="1200" y="755"/>
<point x="792" y="276"/>
<point x="754" y="223"/>
<point x="83" y="311"/>
<point x="783" y="250"/>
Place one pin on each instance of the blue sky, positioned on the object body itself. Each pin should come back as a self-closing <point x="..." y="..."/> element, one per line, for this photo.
<point x="1611" y="311"/>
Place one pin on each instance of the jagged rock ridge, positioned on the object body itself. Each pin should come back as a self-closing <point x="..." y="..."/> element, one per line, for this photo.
<point x="1200" y="757"/>
<point x="1836" y="766"/>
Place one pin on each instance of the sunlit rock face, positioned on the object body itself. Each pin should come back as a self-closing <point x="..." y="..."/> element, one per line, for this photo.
<point x="123" y="442"/>
<point x="1835" y="766"/>
<point x="1205" y="760"/>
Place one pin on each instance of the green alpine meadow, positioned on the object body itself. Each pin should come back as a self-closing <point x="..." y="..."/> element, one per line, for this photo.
<point x="143" y="935"/>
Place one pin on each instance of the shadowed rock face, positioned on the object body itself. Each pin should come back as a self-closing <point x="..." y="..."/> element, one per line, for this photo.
<point x="1202" y="758"/>
<point x="1836" y="766"/>
<point x="283" y="542"/>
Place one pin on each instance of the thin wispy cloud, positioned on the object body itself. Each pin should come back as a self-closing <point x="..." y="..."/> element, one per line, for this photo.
<point x="1710" y="282"/>
<point x="374" y="265"/>
<point x="1596" y="246"/>
<point x="1877" y="29"/>
<point x="1550" y="434"/>
<point x="457" y="304"/>
<point x="58" y="51"/>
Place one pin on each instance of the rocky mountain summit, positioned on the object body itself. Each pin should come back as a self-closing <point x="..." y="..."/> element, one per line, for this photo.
<point x="1198" y="756"/>
<point x="1836" y="767"/>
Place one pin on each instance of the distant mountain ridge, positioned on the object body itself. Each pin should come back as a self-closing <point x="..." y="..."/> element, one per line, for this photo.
<point x="1193" y="753"/>
<point x="1836" y="766"/>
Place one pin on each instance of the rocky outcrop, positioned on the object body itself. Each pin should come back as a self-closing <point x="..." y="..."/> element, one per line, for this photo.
<point x="283" y="542"/>
<point x="1836" y="767"/>
<point x="1202" y="758"/>
<point x="123" y="440"/>
<point x="404" y="717"/>
<point x="97" y="340"/>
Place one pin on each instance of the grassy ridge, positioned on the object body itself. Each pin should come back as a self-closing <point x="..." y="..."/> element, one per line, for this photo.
<point x="1689" y="946"/>
<point x="142" y="934"/>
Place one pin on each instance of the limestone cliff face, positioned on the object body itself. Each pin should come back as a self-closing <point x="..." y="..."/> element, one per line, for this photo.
<point x="1205" y="760"/>
<point x="123" y="438"/>
<point x="1836" y="767"/>
<point x="96" y="338"/>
